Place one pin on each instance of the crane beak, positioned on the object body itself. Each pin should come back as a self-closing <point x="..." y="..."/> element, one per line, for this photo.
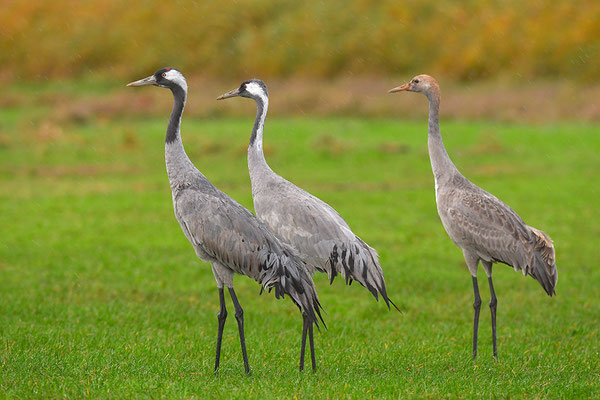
<point x="400" y="88"/>
<point x="151" y="80"/>
<point x="233" y="93"/>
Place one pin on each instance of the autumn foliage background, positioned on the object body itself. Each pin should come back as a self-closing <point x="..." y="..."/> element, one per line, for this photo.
<point x="460" y="40"/>
<point x="520" y="61"/>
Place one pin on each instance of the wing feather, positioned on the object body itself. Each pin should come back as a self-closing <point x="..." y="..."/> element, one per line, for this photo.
<point x="484" y="224"/>
<point x="221" y="229"/>
<point x="320" y="235"/>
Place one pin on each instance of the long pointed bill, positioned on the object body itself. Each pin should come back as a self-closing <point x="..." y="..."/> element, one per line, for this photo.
<point x="233" y="93"/>
<point x="151" y="80"/>
<point x="400" y="88"/>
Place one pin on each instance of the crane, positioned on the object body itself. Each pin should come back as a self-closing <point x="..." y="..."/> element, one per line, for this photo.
<point x="485" y="228"/>
<point x="227" y="235"/>
<point x="317" y="231"/>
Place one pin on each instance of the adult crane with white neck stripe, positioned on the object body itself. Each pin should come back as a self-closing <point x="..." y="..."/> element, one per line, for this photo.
<point x="484" y="227"/>
<point x="227" y="235"/>
<point x="321" y="236"/>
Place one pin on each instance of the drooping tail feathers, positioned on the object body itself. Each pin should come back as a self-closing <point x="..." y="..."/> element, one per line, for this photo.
<point x="359" y="262"/>
<point x="543" y="263"/>
<point x="287" y="275"/>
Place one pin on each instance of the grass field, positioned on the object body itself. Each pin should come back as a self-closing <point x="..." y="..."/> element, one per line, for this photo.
<point x="102" y="296"/>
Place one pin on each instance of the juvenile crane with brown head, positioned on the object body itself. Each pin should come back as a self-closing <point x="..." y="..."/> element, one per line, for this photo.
<point x="485" y="228"/>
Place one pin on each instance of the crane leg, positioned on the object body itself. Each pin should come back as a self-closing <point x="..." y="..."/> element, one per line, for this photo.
<point x="493" y="306"/>
<point x="239" y="316"/>
<point x="477" y="308"/>
<point x="305" y="324"/>
<point x="307" y="328"/>
<point x="312" y="346"/>
<point x="221" y="316"/>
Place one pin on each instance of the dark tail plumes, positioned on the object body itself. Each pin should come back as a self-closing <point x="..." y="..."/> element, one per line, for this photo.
<point x="287" y="275"/>
<point x="543" y="265"/>
<point x="359" y="262"/>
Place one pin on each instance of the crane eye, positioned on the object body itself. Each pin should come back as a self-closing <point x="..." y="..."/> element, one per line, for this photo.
<point x="164" y="74"/>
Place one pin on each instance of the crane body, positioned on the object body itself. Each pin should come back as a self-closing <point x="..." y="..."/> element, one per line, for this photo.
<point x="486" y="229"/>
<point x="316" y="230"/>
<point x="226" y="234"/>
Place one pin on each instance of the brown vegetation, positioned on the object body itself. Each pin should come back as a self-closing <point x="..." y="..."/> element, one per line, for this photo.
<point x="353" y="96"/>
<point x="466" y="40"/>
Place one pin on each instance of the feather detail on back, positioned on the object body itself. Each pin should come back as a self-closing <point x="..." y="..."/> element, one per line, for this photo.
<point x="482" y="224"/>
<point x="321" y="237"/>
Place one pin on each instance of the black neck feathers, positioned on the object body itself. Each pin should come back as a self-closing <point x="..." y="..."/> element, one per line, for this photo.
<point x="260" y="106"/>
<point x="179" y="96"/>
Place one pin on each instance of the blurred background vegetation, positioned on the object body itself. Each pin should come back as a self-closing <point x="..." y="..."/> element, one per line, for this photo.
<point x="509" y="60"/>
<point x="461" y="40"/>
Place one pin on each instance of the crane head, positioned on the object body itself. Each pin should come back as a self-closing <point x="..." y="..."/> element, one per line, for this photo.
<point x="253" y="88"/>
<point x="420" y="83"/>
<point x="164" y="77"/>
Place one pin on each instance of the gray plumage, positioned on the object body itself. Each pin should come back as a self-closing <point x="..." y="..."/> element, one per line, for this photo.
<point x="233" y="240"/>
<point x="484" y="227"/>
<point x="321" y="236"/>
<point x="223" y="232"/>
<point x="489" y="230"/>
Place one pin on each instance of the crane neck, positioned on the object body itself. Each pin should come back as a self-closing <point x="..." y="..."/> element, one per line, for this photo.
<point x="442" y="166"/>
<point x="177" y="161"/>
<point x="256" y="157"/>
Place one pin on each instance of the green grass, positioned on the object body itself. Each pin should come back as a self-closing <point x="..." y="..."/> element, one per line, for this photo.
<point x="102" y="296"/>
